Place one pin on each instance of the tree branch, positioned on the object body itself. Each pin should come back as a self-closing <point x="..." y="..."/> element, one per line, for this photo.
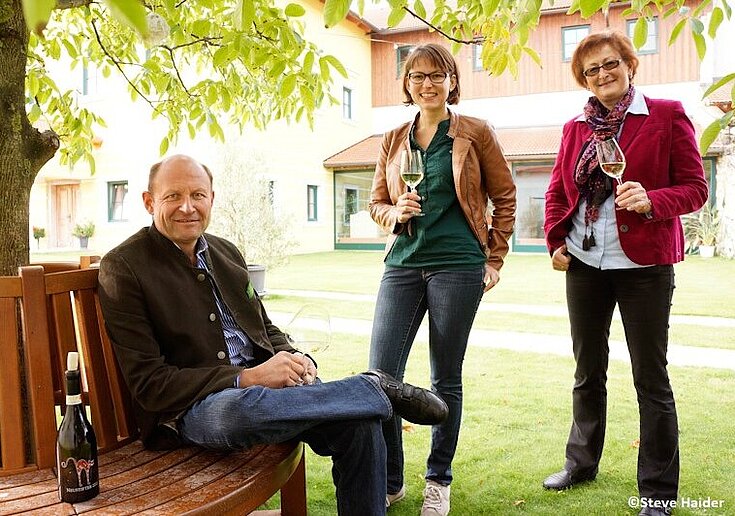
<point x="176" y="69"/>
<point x="120" y="68"/>
<point x="71" y="4"/>
<point x="437" y="29"/>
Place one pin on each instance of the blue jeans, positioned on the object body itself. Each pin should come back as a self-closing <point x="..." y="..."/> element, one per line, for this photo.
<point x="451" y="298"/>
<point x="326" y="416"/>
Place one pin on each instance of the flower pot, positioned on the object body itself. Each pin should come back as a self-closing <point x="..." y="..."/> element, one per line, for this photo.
<point x="257" y="277"/>
<point x="83" y="241"/>
<point x="706" y="251"/>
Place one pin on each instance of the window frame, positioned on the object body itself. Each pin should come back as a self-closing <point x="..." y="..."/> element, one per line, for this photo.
<point x="564" y="44"/>
<point x="401" y="58"/>
<point x="112" y="202"/>
<point x="347" y="103"/>
<point x="630" y="29"/>
<point x="312" y="203"/>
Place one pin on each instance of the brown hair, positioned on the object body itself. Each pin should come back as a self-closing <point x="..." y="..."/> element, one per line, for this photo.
<point x="617" y="40"/>
<point x="439" y="57"/>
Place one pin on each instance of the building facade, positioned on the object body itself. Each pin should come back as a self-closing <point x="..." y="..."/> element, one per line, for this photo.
<point x="320" y="177"/>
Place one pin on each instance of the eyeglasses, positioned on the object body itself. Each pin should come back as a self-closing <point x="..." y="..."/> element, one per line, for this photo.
<point x="607" y="65"/>
<point x="434" y="77"/>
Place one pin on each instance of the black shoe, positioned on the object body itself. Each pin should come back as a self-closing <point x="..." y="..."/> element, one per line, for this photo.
<point x="413" y="404"/>
<point x="563" y="480"/>
<point x="655" y="511"/>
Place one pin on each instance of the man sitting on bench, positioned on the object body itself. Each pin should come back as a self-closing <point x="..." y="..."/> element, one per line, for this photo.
<point x="206" y="366"/>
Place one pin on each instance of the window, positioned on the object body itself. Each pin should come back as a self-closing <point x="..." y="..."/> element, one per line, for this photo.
<point x="401" y="56"/>
<point x="89" y="80"/>
<point x="311" y="202"/>
<point x="347" y="103"/>
<point x="651" y="44"/>
<point x="477" y="57"/>
<point x="116" y="193"/>
<point x="570" y="38"/>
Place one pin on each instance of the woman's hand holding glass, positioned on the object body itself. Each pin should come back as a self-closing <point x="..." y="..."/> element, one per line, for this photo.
<point x="412" y="173"/>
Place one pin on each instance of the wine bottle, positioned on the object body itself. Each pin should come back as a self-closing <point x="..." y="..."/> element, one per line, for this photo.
<point x="76" y="444"/>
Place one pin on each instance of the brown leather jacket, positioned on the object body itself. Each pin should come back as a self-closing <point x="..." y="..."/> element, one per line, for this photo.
<point x="480" y="171"/>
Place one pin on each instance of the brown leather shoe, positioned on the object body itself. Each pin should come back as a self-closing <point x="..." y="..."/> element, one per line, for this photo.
<point x="414" y="404"/>
<point x="563" y="480"/>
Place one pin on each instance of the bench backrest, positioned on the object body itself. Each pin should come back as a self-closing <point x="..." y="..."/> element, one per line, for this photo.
<point x="14" y="446"/>
<point x="61" y="313"/>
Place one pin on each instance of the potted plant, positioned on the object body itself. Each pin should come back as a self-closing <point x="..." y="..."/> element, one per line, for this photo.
<point x="702" y="230"/>
<point x="83" y="231"/>
<point x="38" y="234"/>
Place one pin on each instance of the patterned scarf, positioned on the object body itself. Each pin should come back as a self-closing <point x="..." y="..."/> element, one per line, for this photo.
<point x="591" y="181"/>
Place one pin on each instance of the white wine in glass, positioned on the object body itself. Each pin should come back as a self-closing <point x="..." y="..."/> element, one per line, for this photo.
<point x="611" y="159"/>
<point x="412" y="170"/>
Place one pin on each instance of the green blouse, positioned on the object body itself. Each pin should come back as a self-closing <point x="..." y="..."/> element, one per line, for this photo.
<point x="442" y="238"/>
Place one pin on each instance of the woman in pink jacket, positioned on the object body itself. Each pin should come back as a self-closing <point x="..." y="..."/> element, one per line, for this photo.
<point x="617" y="244"/>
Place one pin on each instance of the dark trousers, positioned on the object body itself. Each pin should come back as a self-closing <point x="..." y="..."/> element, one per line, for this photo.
<point x="644" y="300"/>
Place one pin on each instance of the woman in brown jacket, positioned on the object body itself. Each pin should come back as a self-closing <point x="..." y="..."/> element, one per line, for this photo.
<point x="442" y="261"/>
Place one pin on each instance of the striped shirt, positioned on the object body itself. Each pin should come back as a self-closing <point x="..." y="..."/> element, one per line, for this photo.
<point x="239" y="345"/>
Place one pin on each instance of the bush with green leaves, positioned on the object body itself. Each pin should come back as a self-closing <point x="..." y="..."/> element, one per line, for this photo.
<point x="244" y="212"/>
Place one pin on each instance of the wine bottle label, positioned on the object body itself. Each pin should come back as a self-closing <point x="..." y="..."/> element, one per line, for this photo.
<point x="78" y="479"/>
<point x="74" y="399"/>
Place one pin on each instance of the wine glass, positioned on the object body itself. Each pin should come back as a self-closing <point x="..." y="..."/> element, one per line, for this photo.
<point x="310" y="330"/>
<point x="412" y="170"/>
<point x="611" y="159"/>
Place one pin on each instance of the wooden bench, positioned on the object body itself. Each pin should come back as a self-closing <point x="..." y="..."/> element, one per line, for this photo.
<point x="60" y="312"/>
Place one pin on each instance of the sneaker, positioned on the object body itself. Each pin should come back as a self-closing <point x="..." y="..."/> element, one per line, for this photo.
<point x="391" y="499"/>
<point x="436" y="499"/>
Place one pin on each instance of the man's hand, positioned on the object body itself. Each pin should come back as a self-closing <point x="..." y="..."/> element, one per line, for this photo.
<point x="284" y="369"/>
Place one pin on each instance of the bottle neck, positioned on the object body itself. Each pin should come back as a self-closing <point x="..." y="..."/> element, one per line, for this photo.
<point x="74" y="399"/>
<point x="73" y="388"/>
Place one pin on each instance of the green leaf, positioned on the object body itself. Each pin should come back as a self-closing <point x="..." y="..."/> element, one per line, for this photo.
<point x="489" y="7"/>
<point x="130" y="13"/>
<point x="701" y="45"/>
<point x="37" y="13"/>
<point x="640" y="32"/>
<point x="334" y="63"/>
<point x="709" y="136"/>
<point x="294" y="10"/>
<point x="700" y="8"/>
<point x="32" y="84"/>
<point x="396" y="16"/>
<point x="696" y="25"/>
<point x="335" y="11"/>
<point x="590" y="7"/>
<point x="715" y="21"/>
<point x="163" y="147"/>
<point x="676" y="31"/>
<point x="287" y="86"/>
<point x="244" y="14"/>
<point x="719" y="84"/>
<point x="418" y="7"/>
<point x="534" y="55"/>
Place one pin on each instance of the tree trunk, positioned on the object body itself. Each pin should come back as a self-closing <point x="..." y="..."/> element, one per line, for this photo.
<point x="23" y="149"/>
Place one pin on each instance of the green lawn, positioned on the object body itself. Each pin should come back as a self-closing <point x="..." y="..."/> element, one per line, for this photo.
<point x="517" y="405"/>
<point x="704" y="287"/>
<point x="516" y="419"/>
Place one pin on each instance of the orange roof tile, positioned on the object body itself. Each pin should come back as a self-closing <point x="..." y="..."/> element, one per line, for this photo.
<point x="517" y="142"/>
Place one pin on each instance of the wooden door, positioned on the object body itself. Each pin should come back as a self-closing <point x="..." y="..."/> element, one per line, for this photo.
<point x="65" y="200"/>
